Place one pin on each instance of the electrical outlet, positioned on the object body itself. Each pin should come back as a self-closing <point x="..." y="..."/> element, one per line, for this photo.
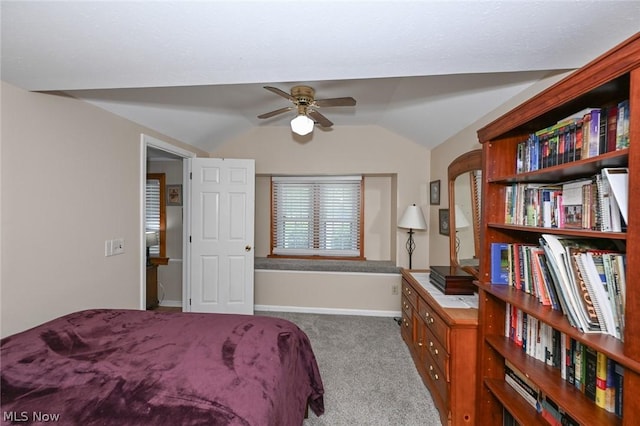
<point x="118" y="246"/>
<point x="395" y="289"/>
<point x="108" y="248"/>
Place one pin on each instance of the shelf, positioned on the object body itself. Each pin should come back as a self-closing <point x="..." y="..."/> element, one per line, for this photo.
<point x="612" y="347"/>
<point x="548" y="378"/>
<point x="567" y="171"/>
<point x="524" y="413"/>
<point x="582" y="233"/>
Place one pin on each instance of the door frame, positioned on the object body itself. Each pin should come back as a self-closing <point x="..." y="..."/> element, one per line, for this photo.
<point x="146" y="142"/>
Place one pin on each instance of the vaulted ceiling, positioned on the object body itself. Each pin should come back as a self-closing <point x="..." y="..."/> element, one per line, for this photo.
<point x="195" y="70"/>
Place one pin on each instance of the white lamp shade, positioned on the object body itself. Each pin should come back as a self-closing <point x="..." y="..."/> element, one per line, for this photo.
<point x="153" y="239"/>
<point x="412" y="218"/>
<point x="461" y="219"/>
<point x="302" y="125"/>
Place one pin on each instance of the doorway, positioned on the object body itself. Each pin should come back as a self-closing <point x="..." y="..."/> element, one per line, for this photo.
<point x="161" y="157"/>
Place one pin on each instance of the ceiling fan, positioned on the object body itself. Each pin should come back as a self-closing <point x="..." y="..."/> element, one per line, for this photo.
<point x="303" y="99"/>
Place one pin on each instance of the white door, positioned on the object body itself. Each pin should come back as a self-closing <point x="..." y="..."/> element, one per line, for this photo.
<point x="221" y="235"/>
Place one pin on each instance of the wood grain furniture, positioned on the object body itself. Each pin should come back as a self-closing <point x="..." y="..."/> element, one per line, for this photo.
<point x="152" y="286"/>
<point x="452" y="280"/>
<point x="607" y="80"/>
<point x="442" y="343"/>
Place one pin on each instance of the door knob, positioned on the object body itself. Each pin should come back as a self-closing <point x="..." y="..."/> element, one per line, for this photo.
<point x="247" y="248"/>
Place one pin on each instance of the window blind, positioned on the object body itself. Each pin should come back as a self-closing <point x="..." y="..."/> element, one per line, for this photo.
<point x="152" y="211"/>
<point x="317" y="216"/>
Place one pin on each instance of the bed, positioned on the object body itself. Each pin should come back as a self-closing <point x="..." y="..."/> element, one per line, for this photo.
<point x="128" y="367"/>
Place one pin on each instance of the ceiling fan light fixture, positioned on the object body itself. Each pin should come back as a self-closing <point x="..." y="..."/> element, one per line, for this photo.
<point x="302" y="125"/>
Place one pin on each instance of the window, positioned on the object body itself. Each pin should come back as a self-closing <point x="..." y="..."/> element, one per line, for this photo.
<point x="317" y="216"/>
<point x="155" y="216"/>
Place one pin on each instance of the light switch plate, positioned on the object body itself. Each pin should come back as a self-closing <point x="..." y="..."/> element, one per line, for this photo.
<point x="118" y="246"/>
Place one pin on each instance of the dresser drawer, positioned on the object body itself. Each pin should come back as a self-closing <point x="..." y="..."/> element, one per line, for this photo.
<point x="435" y="324"/>
<point x="407" y="308"/>
<point x="407" y="328"/>
<point x="436" y="354"/>
<point x="440" y="384"/>
<point x="410" y="294"/>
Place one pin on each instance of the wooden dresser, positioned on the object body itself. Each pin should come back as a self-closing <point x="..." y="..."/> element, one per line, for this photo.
<point x="441" y="333"/>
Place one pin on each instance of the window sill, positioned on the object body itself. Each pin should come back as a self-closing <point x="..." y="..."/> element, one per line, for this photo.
<point x="365" y="266"/>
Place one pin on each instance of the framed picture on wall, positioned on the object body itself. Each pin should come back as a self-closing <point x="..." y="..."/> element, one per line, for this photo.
<point x="443" y="221"/>
<point x="174" y="195"/>
<point x="434" y="193"/>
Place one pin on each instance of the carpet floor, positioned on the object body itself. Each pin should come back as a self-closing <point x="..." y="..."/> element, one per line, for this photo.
<point x="368" y="375"/>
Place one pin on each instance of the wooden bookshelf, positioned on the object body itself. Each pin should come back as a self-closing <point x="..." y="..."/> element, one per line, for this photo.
<point x="609" y="79"/>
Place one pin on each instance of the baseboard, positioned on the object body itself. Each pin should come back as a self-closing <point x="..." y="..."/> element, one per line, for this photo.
<point x="171" y="303"/>
<point x="329" y="311"/>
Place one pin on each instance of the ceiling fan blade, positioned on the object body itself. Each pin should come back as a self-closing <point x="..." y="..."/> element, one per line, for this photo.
<point x="319" y="118"/>
<point x="281" y="93"/>
<point x="276" y="112"/>
<point x="346" y="101"/>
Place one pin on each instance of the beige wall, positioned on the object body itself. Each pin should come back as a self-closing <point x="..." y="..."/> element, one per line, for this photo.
<point x="396" y="172"/>
<point x="70" y="181"/>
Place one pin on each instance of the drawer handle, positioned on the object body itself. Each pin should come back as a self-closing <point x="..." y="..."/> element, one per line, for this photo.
<point x="429" y="318"/>
<point x="433" y="350"/>
<point x="433" y="375"/>
<point x="406" y="323"/>
<point x="420" y="344"/>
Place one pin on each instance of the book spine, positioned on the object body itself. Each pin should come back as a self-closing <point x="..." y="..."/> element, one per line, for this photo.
<point x="612" y="127"/>
<point x="618" y="383"/>
<point x="500" y="263"/>
<point x="594" y="133"/>
<point x="601" y="380"/>
<point x="622" y="130"/>
<point x="590" y="373"/>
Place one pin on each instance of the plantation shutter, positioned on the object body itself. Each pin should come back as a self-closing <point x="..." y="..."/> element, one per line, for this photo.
<point x="317" y="216"/>
<point x="152" y="211"/>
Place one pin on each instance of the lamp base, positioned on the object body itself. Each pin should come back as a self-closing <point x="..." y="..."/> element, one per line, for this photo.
<point x="411" y="246"/>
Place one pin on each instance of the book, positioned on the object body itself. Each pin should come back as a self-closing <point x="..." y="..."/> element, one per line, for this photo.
<point x="578" y="361"/>
<point x="622" y="125"/>
<point x="590" y="364"/>
<point x="610" y="386"/>
<point x="618" y="180"/>
<point x="523" y="385"/>
<point x="572" y="202"/>
<point x="554" y="254"/>
<point x="550" y="411"/>
<point x="602" y="262"/>
<point x="548" y="281"/>
<point x="562" y="267"/>
<point x="499" y="263"/>
<point x="612" y="128"/>
<point x="618" y="381"/>
<point x="601" y="380"/>
<point x="591" y="132"/>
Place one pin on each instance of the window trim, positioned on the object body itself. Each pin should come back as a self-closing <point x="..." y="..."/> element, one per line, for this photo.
<point x="272" y="230"/>
<point x="163" y="213"/>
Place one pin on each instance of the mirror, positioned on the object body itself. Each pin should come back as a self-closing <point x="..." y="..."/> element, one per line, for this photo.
<point x="465" y="184"/>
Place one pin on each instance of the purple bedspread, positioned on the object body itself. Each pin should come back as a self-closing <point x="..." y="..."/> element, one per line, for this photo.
<point x="127" y="367"/>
